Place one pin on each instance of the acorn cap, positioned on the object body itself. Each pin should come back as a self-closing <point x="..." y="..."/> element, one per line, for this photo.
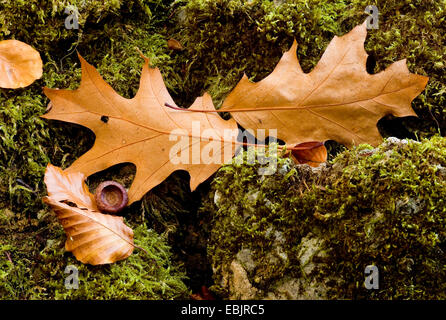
<point x="111" y="197"/>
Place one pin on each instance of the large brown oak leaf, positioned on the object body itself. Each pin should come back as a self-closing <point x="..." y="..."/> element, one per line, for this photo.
<point x="143" y="131"/>
<point x="338" y="100"/>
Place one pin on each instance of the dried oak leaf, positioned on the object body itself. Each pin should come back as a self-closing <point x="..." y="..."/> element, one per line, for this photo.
<point x="93" y="237"/>
<point x="20" y="64"/>
<point x="338" y="100"/>
<point x="143" y="131"/>
<point x="203" y="294"/>
<point x="173" y="44"/>
<point x="312" y="153"/>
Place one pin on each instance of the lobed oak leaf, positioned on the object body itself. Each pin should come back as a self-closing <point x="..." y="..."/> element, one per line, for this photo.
<point x="338" y="100"/>
<point x="93" y="237"/>
<point x="143" y="131"/>
<point x="20" y="64"/>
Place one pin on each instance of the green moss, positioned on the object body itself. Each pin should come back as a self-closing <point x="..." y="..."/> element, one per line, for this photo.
<point x="246" y="210"/>
<point x="216" y="55"/>
<point x="388" y="209"/>
<point x="42" y="23"/>
<point x="224" y="39"/>
<point x="383" y="207"/>
<point x="21" y="158"/>
<point x="107" y="38"/>
<point x="33" y="261"/>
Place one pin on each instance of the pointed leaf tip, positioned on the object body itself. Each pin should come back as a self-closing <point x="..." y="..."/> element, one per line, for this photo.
<point x="146" y="59"/>
<point x="294" y="45"/>
<point x="80" y="56"/>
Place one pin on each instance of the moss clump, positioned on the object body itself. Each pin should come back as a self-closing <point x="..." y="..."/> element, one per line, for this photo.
<point x="247" y="211"/>
<point x="224" y="39"/>
<point x="388" y="209"/>
<point x="33" y="261"/>
<point x="42" y="23"/>
<point x="382" y="207"/>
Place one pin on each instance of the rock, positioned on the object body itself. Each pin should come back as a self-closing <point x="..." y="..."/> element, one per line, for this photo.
<point x="366" y="152"/>
<point x="239" y="285"/>
<point x="409" y="206"/>
<point x="281" y="253"/>
<point x="252" y="196"/>
<point x="392" y="142"/>
<point x="245" y="257"/>
<point x="236" y="277"/>
<point x="284" y="169"/>
<point x="297" y="289"/>
<point x="310" y="246"/>
<point x="322" y="226"/>
<point x="217" y="197"/>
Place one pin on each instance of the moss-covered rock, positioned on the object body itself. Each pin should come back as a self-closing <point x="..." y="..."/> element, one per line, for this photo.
<point x="310" y="233"/>
<point x="33" y="262"/>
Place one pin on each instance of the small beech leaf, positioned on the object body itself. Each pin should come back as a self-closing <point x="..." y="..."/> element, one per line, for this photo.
<point x="92" y="237"/>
